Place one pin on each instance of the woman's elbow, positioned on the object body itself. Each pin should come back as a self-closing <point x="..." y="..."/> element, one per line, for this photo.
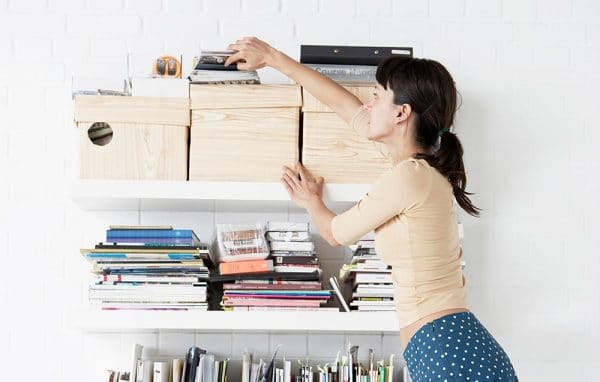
<point x="331" y="240"/>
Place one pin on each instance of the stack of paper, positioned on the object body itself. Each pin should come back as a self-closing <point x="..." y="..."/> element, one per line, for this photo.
<point x="371" y="279"/>
<point x="153" y="268"/>
<point x="210" y="69"/>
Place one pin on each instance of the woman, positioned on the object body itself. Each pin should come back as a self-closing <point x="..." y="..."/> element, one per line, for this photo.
<point x="410" y="207"/>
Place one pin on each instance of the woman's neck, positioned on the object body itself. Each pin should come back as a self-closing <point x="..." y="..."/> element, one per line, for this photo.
<point x="400" y="153"/>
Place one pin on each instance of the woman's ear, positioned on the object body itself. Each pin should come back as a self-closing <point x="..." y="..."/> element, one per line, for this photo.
<point x="403" y="113"/>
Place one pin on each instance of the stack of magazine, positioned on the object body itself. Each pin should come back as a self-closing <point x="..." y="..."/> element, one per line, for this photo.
<point x="285" y="277"/>
<point x="371" y="279"/>
<point x="349" y="64"/>
<point x="209" y="68"/>
<point x="149" y="268"/>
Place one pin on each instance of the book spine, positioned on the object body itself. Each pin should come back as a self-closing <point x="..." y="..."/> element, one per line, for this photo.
<point x="132" y="240"/>
<point x="288" y="226"/>
<point x="251" y="266"/>
<point x="281" y="260"/>
<point x="271" y="302"/>
<point x="287" y="371"/>
<point x="292" y="246"/>
<point x="169" y="233"/>
<point x="265" y="286"/>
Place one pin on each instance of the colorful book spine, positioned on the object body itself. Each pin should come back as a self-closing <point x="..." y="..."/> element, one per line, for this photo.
<point x="117" y="256"/>
<point x="250" y="266"/>
<point x="154" y="240"/>
<point x="271" y="302"/>
<point x="112" y="234"/>
<point x="258" y="286"/>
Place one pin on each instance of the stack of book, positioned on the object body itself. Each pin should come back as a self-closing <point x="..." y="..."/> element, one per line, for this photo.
<point x="287" y="278"/>
<point x="209" y="68"/>
<point x="292" y="248"/>
<point x="150" y="268"/>
<point x="348" y="64"/>
<point x="371" y="279"/>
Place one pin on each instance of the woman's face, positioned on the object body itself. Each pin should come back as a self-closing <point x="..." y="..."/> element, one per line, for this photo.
<point x="384" y="114"/>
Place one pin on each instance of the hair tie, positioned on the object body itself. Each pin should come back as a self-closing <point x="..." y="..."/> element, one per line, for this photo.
<point x="443" y="131"/>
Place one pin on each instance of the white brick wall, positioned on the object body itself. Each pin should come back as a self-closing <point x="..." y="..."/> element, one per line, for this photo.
<point x="527" y="73"/>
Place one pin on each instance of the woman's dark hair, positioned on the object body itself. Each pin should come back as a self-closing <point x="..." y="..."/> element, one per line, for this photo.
<point x="429" y="89"/>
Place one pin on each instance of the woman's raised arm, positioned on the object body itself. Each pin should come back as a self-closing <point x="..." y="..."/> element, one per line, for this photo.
<point x="253" y="53"/>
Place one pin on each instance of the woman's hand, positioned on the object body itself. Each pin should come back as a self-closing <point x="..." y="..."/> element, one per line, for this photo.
<point x="251" y="54"/>
<point x="305" y="189"/>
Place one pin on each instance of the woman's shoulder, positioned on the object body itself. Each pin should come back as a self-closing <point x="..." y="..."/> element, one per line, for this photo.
<point x="412" y="167"/>
<point x="410" y="173"/>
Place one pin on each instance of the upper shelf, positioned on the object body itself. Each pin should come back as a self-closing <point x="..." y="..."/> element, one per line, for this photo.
<point x="199" y="195"/>
<point x="292" y="321"/>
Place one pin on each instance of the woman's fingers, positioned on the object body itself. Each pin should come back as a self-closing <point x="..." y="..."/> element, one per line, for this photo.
<point x="234" y="58"/>
<point x="287" y="187"/>
<point x="292" y="182"/>
<point x="304" y="174"/>
<point x="246" y="66"/>
<point x="292" y="174"/>
<point x="290" y="187"/>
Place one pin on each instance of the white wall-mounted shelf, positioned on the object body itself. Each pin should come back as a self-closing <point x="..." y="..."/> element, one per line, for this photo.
<point x="198" y="196"/>
<point x="293" y="321"/>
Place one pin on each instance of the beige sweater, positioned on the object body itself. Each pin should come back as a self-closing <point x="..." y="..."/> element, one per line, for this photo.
<point x="410" y="207"/>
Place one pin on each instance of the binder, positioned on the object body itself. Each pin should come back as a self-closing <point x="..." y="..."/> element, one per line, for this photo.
<point x="350" y="55"/>
<point x="191" y="363"/>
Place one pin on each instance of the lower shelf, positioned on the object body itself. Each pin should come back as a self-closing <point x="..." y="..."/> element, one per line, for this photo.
<point x="98" y="320"/>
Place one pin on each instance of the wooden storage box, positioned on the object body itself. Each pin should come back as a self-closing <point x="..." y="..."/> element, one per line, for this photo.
<point x="243" y="132"/>
<point x="332" y="149"/>
<point x="132" y="137"/>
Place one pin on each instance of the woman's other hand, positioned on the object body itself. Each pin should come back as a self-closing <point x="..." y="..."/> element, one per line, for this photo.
<point x="251" y="54"/>
<point x="302" y="187"/>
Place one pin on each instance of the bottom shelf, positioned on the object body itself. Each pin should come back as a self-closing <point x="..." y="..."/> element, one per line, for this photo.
<point x="99" y="320"/>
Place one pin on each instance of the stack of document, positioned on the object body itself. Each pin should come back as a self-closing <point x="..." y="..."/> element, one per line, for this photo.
<point x="149" y="268"/>
<point x="210" y="69"/>
<point x="371" y="279"/>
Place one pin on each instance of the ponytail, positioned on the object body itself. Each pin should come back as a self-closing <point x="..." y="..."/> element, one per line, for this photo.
<point x="448" y="161"/>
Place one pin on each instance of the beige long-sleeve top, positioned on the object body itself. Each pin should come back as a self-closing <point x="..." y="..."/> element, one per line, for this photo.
<point x="411" y="209"/>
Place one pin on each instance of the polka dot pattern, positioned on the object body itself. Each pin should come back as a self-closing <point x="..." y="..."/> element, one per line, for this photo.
<point x="457" y="347"/>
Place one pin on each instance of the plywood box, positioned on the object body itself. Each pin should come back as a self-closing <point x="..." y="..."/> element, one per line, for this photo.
<point x="243" y="132"/>
<point x="333" y="150"/>
<point x="132" y="137"/>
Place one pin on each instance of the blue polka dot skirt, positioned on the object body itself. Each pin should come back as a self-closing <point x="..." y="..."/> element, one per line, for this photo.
<point x="457" y="347"/>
